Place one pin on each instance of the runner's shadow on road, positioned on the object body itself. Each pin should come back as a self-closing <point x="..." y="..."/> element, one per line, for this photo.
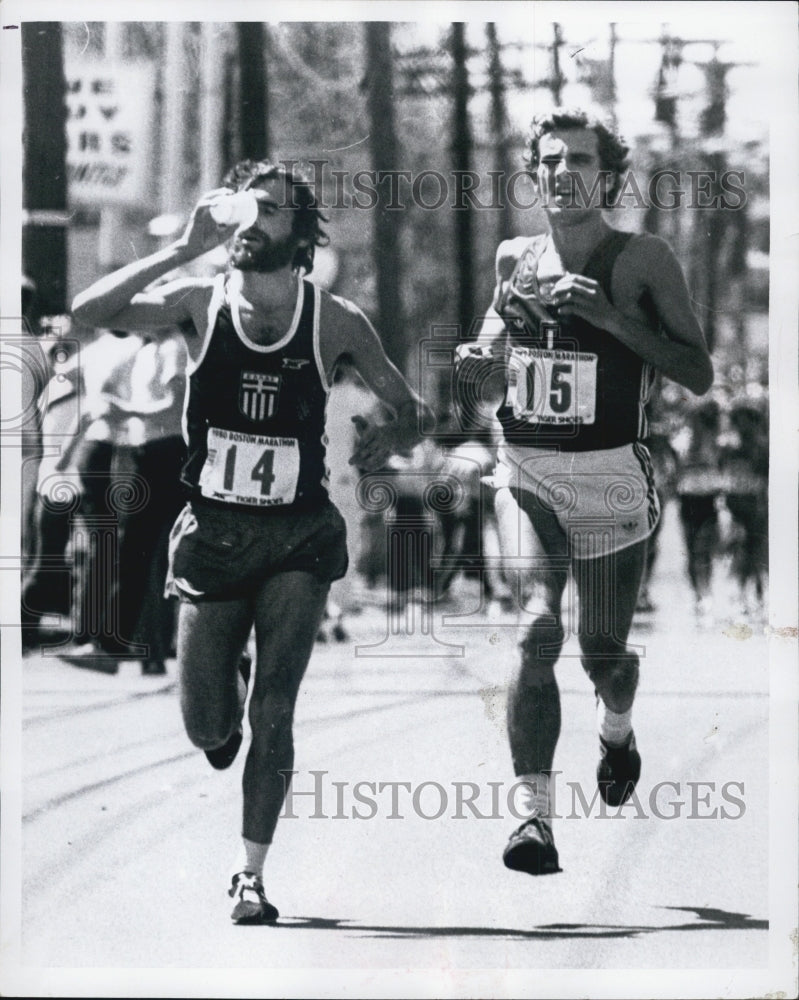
<point x="709" y="919"/>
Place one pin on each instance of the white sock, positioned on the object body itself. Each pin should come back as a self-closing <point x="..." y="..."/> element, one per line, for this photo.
<point x="614" y="727"/>
<point x="253" y="857"/>
<point x="533" y="795"/>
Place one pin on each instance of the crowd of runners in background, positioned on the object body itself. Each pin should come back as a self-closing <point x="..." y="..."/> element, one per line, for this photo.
<point x="710" y="457"/>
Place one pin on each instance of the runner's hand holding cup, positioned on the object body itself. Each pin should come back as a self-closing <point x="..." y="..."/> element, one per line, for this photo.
<point x="216" y="217"/>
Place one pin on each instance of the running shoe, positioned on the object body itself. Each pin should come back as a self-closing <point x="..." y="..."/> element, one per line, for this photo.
<point x="251" y="905"/>
<point x="618" y="771"/>
<point x="532" y="849"/>
<point x="220" y="758"/>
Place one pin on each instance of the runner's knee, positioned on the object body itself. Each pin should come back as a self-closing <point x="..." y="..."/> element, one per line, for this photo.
<point x="207" y="733"/>
<point x="271" y="718"/>
<point x="210" y="712"/>
<point x="615" y="675"/>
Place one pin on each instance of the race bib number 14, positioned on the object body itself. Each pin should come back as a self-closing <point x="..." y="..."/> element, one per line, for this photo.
<point x="552" y="387"/>
<point x="250" y="468"/>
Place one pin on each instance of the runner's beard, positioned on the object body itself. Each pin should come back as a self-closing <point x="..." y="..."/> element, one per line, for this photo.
<point x="271" y="255"/>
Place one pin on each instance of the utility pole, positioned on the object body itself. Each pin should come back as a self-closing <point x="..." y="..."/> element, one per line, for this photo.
<point x="499" y="126"/>
<point x="253" y="96"/>
<point x="175" y="90"/>
<point x="714" y="115"/>
<point x="112" y="217"/>
<point x="612" y="42"/>
<point x="600" y="75"/>
<point x="383" y="144"/>
<point x="461" y="148"/>
<point x="667" y="113"/>
<point x="212" y="103"/>
<point x="666" y="85"/>
<point x="711" y="124"/>
<point x="558" y="80"/>
<point x="712" y="224"/>
<point x="44" y="237"/>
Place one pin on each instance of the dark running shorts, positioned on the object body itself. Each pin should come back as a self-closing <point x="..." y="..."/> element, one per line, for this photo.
<point x="218" y="554"/>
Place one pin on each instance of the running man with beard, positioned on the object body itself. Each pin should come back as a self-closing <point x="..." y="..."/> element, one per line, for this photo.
<point x="259" y="541"/>
<point x="581" y="316"/>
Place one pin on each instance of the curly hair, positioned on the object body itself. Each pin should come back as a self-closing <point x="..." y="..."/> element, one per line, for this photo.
<point x="613" y="151"/>
<point x="307" y="221"/>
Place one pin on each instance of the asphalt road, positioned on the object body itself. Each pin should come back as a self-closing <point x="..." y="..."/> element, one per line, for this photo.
<point x="128" y="836"/>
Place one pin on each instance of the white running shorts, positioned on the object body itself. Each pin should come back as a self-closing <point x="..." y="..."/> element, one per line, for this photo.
<point x="604" y="500"/>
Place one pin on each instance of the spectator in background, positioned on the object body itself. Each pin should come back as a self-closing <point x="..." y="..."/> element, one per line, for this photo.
<point x="699" y="488"/>
<point x="467" y="524"/>
<point x="129" y="457"/>
<point x="50" y="488"/>
<point x="664" y="463"/>
<point x="34" y="370"/>
<point x="744" y="461"/>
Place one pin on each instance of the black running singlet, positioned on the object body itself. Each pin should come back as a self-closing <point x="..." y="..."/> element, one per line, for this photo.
<point x="569" y="383"/>
<point x="255" y="414"/>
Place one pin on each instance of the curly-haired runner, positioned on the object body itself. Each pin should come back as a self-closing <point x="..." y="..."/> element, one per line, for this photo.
<point x="259" y="541"/>
<point x="581" y="317"/>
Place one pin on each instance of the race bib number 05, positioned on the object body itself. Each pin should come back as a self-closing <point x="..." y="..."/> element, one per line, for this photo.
<point x="552" y="387"/>
<point x="250" y="468"/>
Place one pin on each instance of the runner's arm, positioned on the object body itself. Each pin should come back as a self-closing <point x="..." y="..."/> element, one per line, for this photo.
<point x="492" y="334"/>
<point x="354" y="336"/>
<point x="120" y="300"/>
<point x="480" y="364"/>
<point x="681" y="354"/>
<point x="161" y="309"/>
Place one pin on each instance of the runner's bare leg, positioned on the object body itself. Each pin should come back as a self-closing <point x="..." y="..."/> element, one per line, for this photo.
<point x="211" y="638"/>
<point x="529" y="530"/>
<point x="289" y="609"/>
<point x="607" y="589"/>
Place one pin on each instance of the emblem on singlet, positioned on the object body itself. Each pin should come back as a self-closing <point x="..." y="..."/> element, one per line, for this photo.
<point x="258" y="395"/>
